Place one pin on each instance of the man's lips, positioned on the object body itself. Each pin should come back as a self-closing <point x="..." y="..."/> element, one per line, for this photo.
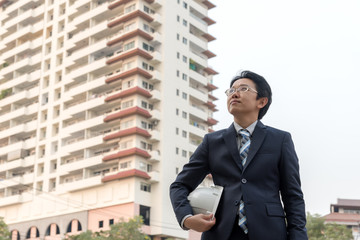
<point x="234" y="101"/>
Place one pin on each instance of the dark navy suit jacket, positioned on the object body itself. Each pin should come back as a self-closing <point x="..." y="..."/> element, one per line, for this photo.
<point x="269" y="184"/>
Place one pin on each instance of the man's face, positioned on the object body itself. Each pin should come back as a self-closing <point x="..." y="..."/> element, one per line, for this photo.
<point x="244" y="103"/>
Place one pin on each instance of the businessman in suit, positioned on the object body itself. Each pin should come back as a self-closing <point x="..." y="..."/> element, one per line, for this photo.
<point x="262" y="197"/>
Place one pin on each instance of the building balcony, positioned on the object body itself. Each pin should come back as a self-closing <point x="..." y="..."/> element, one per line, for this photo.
<point x="25" y="16"/>
<point x="211" y="121"/>
<point x="31" y="29"/>
<point x="209" y="54"/>
<point x="81" y="143"/>
<point x="198" y="112"/>
<point x="127" y="112"/>
<point x="65" y="169"/>
<point x="84" y="105"/>
<point x="209" y="4"/>
<point x="200" y="60"/>
<point x="155" y="135"/>
<point x="85" y="52"/>
<point x="208" y="37"/>
<point x="129" y="16"/>
<point x="20" y="96"/>
<point x="127" y="132"/>
<point x="121" y="56"/>
<point x="19" y="113"/>
<point x="155" y="3"/>
<point x="155" y="156"/>
<point x="127" y="153"/>
<point x="128" y="92"/>
<point x="198" y="94"/>
<point x="198" y="77"/>
<point x="155" y="115"/>
<point x="94" y="13"/>
<point x="21" y="128"/>
<point x="156" y="38"/>
<point x="209" y="21"/>
<point x="154" y="176"/>
<point x="80" y="184"/>
<point x="210" y="105"/>
<point x="98" y="66"/>
<point x="115" y="3"/>
<point x="156" y="57"/>
<point x="121" y="36"/>
<point x="19" y="163"/>
<point x="198" y="128"/>
<point x="155" y="96"/>
<point x="125" y="74"/>
<point x="126" y="174"/>
<point x="12" y="147"/>
<point x="15" y="199"/>
<point x="82" y="125"/>
<point x="18" y="180"/>
<point x="86" y="86"/>
<point x="210" y="71"/>
<point x="35" y="44"/>
<point x="155" y="76"/>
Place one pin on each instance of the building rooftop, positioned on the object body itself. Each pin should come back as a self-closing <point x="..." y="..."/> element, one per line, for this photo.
<point x="347" y="202"/>
<point x="341" y="217"/>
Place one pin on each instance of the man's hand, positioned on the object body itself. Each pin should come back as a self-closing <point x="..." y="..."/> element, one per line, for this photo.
<point x="200" y="222"/>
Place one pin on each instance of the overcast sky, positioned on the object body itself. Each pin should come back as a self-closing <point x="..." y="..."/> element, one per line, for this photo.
<point x="309" y="52"/>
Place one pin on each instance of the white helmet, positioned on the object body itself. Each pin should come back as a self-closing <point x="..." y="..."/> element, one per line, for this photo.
<point x="205" y="199"/>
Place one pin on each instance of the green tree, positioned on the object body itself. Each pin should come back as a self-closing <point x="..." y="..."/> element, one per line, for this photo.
<point x="337" y="232"/>
<point x="4" y="231"/>
<point x="122" y="230"/>
<point x="318" y="230"/>
<point x="315" y="226"/>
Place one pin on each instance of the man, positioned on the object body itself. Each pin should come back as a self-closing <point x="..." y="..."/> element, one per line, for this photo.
<point x="258" y="168"/>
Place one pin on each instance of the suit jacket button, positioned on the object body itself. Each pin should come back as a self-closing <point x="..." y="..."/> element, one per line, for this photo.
<point x="243" y="180"/>
<point x="236" y="203"/>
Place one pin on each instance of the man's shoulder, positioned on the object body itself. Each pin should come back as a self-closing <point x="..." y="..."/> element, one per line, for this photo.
<point x="275" y="130"/>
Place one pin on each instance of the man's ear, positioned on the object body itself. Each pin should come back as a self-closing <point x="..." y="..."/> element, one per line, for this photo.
<point x="262" y="102"/>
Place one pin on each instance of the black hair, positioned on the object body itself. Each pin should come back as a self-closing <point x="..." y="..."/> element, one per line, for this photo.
<point x="261" y="85"/>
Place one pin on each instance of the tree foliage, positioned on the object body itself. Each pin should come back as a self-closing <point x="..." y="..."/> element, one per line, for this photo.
<point x="122" y="230"/>
<point x="318" y="230"/>
<point x="4" y="231"/>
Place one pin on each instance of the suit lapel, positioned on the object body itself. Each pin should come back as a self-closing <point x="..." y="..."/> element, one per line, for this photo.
<point x="256" y="141"/>
<point x="230" y="136"/>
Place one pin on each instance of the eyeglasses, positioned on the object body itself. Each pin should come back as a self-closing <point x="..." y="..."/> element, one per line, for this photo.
<point x="242" y="88"/>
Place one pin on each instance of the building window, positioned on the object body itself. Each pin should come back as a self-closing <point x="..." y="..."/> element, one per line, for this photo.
<point x="125" y="165"/>
<point x="177" y="92"/>
<point x="177" y="73"/>
<point x="129" y="9"/>
<point x="184" y="76"/>
<point x="177" y="131"/>
<point x="184" y="95"/>
<point x="184" y="153"/>
<point x="184" y="22"/>
<point x="178" y="55"/>
<point x="184" y="134"/>
<point x="127" y="104"/>
<point x="177" y="112"/>
<point x="184" y="40"/>
<point x="147" y="47"/>
<point x="144" y="104"/>
<point x="145" y="213"/>
<point x="111" y="222"/>
<point x="145" y="187"/>
<point x="184" y="114"/>
<point x="185" y="5"/>
<point x="129" y="45"/>
<point x="101" y="224"/>
<point x="178" y="36"/>
<point x="177" y="151"/>
<point x="185" y="59"/>
<point x="176" y="170"/>
<point x="178" y="18"/>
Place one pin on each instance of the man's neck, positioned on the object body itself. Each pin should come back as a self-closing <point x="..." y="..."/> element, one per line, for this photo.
<point x="244" y="122"/>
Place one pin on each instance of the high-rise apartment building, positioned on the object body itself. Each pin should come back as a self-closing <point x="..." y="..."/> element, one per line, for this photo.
<point x="102" y="103"/>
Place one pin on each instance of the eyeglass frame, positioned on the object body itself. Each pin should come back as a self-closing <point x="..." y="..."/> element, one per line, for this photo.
<point x="248" y="88"/>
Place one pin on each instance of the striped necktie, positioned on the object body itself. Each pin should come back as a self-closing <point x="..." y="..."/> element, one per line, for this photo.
<point x="244" y="149"/>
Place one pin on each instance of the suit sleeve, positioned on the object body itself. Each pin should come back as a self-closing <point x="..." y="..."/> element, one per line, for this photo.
<point x="291" y="193"/>
<point x="188" y="179"/>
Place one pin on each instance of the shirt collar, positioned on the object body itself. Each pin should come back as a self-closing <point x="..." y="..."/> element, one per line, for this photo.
<point x="250" y="128"/>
